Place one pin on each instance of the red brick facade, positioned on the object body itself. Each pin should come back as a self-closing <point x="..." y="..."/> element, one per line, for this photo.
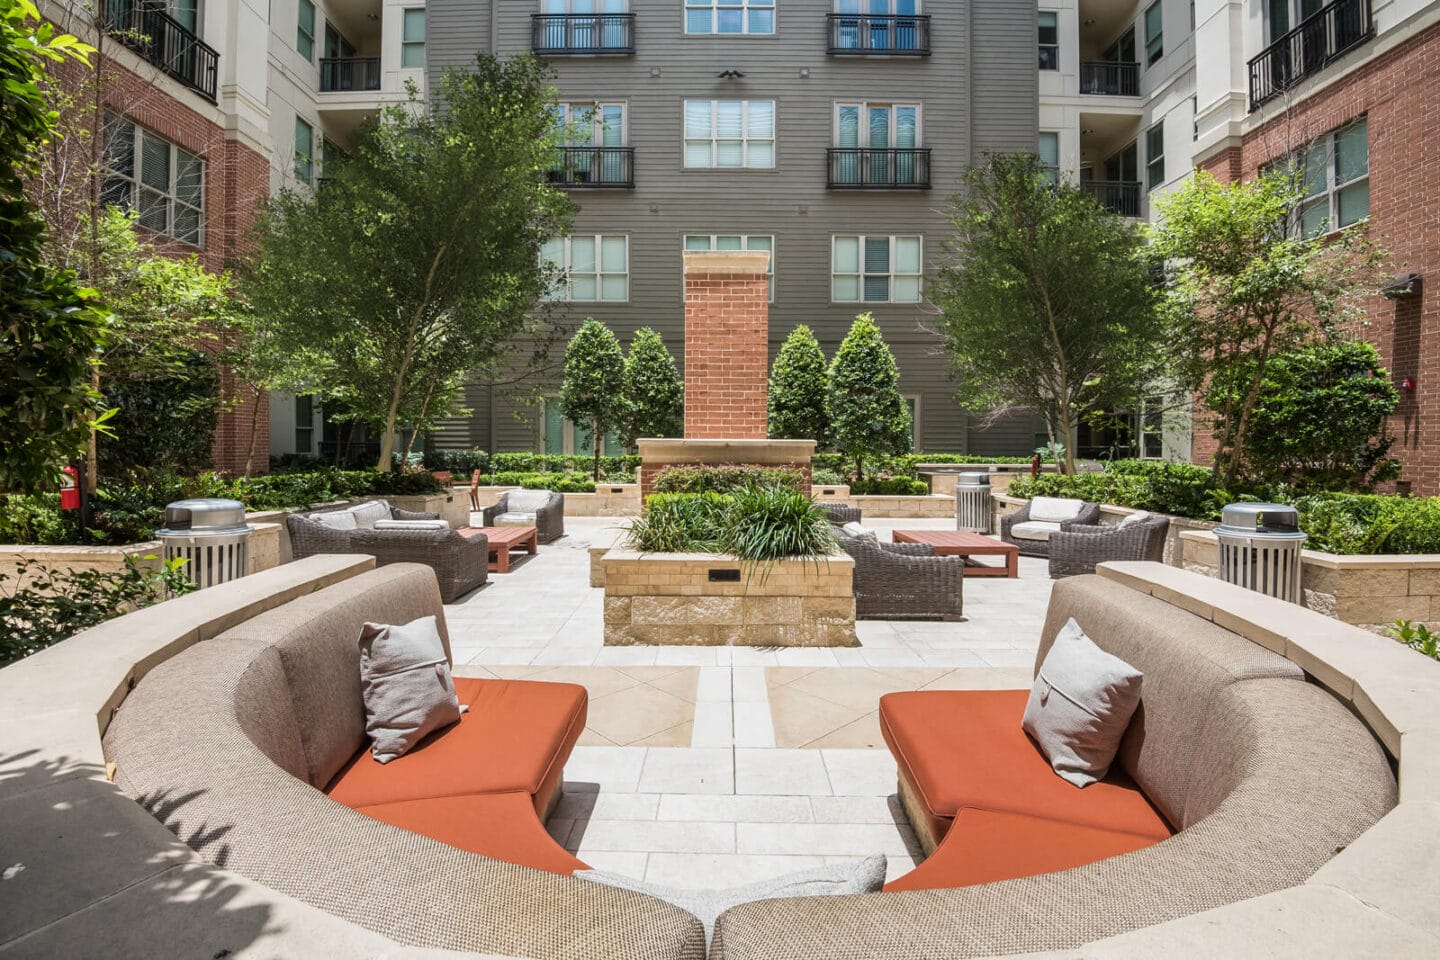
<point x="726" y="343"/>
<point x="1397" y="92"/>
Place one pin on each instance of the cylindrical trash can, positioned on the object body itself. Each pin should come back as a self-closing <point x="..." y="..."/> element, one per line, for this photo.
<point x="211" y="535"/>
<point x="972" y="502"/>
<point x="1260" y="548"/>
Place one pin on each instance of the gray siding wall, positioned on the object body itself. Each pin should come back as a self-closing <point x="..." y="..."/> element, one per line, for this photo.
<point x="977" y="92"/>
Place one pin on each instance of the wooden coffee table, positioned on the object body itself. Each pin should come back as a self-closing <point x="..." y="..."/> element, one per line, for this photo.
<point x="502" y="541"/>
<point x="963" y="543"/>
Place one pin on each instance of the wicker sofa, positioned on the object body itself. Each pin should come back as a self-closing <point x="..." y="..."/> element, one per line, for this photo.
<point x="1261" y="775"/>
<point x="461" y="564"/>
<point x="904" y="581"/>
<point x="1078" y="549"/>
<point x="1037" y="543"/>
<point x="541" y="509"/>
<point x="839" y="512"/>
<point x="246" y="747"/>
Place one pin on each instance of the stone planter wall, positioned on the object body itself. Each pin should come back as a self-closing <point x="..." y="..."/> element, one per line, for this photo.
<point x="1370" y="591"/>
<point x="608" y="500"/>
<point x="668" y="598"/>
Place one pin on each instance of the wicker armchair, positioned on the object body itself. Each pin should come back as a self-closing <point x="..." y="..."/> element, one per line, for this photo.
<point x="904" y="581"/>
<point x="460" y="563"/>
<point x="549" y="519"/>
<point x="840" y="513"/>
<point x="1078" y="549"/>
<point x="1089" y="516"/>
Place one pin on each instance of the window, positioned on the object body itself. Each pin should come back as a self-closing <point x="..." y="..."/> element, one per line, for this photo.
<point x="1154" y="33"/>
<point x="730" y="133"/>
<point x="1335" y="171"/>
<point x="881" y="138"/>
<point x="1283" y="15"/>
<point x="875" y="270"/>
<point x="1049" y="40"/>
<point x="305" y="30"/>
<point x="1155" y="156"/>
<point x="590" y="124"/>
<point x="597" y="267"/>
<point x="562" y="436"/>
<point x="1049" y="154"/>
<point x="304" y="425"/>
<point x="304" y="151"/>
<point x="412" y="46"/>
<point x="153" y="176"/>
<point x="730" y="16"/>
<point x="700" y="241"/>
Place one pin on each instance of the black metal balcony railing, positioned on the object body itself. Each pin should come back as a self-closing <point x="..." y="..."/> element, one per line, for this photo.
<point x="1110" y="78"/>
<point x="1117" y="196"/>
<point x="349" y="73"/>
<point x="594" y="167"/>
<point x="878" y="168"/>
<point x="874" y="34"/>
<point x="1319" y="40"/>
<point x="164" y="42"/>
<point x="554" y="34"/>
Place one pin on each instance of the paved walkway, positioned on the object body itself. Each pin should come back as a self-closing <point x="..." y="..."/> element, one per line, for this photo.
<point x="711" y="766"/>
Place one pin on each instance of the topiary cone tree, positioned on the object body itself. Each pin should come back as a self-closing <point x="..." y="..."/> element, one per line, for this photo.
<point x="593" y="391"/>
<point x="654" y="393"/>
<point x="868" y="416"/>
<point x="797" y="390"/>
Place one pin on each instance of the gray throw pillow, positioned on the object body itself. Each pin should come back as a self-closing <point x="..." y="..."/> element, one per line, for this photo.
<point x="1081" y="703"/>
<point x="335" y="519"/>
<point x="368" y="513"/>
<point x="859" y="876"/>
<point x="406" y="681"/>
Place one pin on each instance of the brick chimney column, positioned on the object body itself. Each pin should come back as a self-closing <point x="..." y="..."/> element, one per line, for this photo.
<point x="727" y="334"/>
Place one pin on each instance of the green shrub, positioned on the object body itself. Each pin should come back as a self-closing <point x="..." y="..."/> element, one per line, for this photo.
<point x="724" y="479"/>
<point x="34" y="519"/>
<point x="827" y="478"/>
<point x="168" y="417"/>
<point x="556" y="482"/>
<point x="770" y="522"/>
<point x="681" y="523"/>
<point x="1417" y="637"/>
<point x="888" y="487"/>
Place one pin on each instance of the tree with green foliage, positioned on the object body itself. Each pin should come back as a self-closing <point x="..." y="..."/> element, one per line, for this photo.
<point x="53" y="327"/>
<point x="1045" y="303"/>
<point x="1319" y="418"/>
<point x="797" y="390"/>
<point x="654" y="393"/>
<point x="418" y="262"/>
<point x="1245" y="287"/>
<point x="867" y="414"/>
<point x="594" y="389"/>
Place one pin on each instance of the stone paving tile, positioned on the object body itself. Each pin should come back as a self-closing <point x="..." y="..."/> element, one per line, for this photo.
<point x="876" y="809"/>
<point x="838" y="839"/>
<point x="650" y="836"/>
<point x="860" y="772"/>
<point x="709" y="871"/>
<point x="688" y="770"/>
<point x="799" y="773"/>
<point x="734" y="808"/>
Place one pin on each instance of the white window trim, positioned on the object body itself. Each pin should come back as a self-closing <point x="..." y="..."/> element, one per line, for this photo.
<point x="172" y="200"/>
<point x="890" y="274"/>
<point x="599" y="274"/>
<point x="315" y="21"/>
<point x="1145" y="37"/>
<point x="864" y="131"/>
<point x="1150" y="159"/>
<point x="916" y="419"/>
<point x="1052" y="169"/>
<point x="1333" y="188"/>
<point x="312" y="160"/>
<point x="743" y="5"/>
<point x="404" y="44"/>
<point x="744" y="245"/>
<point x="745" y="138"/>
<point x="1049" y="46"/>
<point x="597" y="124"/>
<point x="541" y="5"/>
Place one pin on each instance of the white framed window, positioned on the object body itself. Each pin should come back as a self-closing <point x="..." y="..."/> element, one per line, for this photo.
<point x="149" y="174"/>
<point x="1155" y="156"/>
<point x="755" y="17"/>
<point x="1049" y="40"/>
<point x="596" y="267"/>
<point x="1335" y="171"/>
<point x="877" y="125"/>
<point x="584" y="6"/>
<point x="1154" y="33"/>
<point x="412" y="40"/>
<point x="868" y="269"/>
<point x="590" y="124"/>
<point x="730" y="134"/>
<point x="732" y="241"/>
<point x="305" y="30"/>
<point x="304" y="151"/>
<point x="1049" y="155"/>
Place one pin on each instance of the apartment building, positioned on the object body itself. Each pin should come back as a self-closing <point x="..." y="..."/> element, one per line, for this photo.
<point x="828" y="136"/>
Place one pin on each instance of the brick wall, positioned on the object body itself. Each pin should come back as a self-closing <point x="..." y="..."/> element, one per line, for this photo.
<point x="1397" y="94"/>
<point x="726" y="344"/>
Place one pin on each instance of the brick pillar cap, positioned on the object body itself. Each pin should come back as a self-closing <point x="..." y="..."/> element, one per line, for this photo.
<point x="755" y="262"/>
<point x="676" y="450"/>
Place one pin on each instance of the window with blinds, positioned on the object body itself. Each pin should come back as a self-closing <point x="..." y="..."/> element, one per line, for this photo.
<point x="730" y="16"/>
<point x="876" y="269"/>
<point x="731" y="241"/>
<point x="730" y="134"/>
<point x="146" y="173"/>
<point x="596" y="267"/>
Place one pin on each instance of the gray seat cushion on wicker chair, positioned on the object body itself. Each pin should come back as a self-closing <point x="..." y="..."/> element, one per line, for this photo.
<point x="514" y="518"/>
<point x="1034" y="529"/>
<point x="527" y="501"/>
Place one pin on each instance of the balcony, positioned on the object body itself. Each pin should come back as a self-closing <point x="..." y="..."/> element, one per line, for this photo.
<point x="1117" y="196"/>
<point x="1319" y="40"/>
<point x="1108" y="78"/>
<point x="349" y="73"/>
<point x="878" y="168"/>
<point x="164" y="42"/>
<point x="864" y="34"/>
<point x="594" y="167"/>
<point x="582" y="34"/>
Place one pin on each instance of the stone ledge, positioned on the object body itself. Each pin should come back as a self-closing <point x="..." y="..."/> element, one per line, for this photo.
<point x="715" y="452"/>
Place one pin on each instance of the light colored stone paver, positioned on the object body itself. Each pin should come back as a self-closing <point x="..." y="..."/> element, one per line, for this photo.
<point x="796" y="773"/>
<point x="688" y="770"/>
<point x="708" y="871"/>
<point x="734" y="808"/>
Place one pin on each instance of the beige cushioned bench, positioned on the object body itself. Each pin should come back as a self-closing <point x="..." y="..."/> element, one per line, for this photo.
<point x="1265" y="775"/>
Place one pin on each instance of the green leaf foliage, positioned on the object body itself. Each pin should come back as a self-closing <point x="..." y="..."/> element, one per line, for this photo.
<point x="724" y="479"/>
<point x="868" y="416"/>
<point x="593" y="390"/>
<point x="797" y="390"/>
<point x="165" y="417"/>
<point x="653" y="392"/>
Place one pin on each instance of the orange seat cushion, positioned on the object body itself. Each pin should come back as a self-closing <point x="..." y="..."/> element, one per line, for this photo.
<point x="515" y="737"/>
<point x="965" y="750"/>
<point x="499" y="825"/>
<point x="984" y="846"/>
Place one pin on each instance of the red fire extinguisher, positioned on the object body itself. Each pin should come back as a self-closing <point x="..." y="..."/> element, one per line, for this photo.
<point x="1035" y="465"/>
<point x="69" y="488"/>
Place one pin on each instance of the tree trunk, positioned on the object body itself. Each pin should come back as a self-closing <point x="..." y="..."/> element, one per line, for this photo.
<point x="254" y="430"/>
<point x="387" y="443"/>
<point x="859" y="467"/>
<point x="598" y="439"/>
<point x="1247" y="406"/>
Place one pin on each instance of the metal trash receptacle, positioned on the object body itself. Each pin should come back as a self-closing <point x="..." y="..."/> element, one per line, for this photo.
<point x="1260" y="547"/>
<point x="972" y="502"/>
<point x="210" y="534"/>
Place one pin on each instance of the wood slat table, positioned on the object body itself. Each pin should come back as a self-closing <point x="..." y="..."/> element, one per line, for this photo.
<point x="963" y="543"/>
<point x="502" y="541"/>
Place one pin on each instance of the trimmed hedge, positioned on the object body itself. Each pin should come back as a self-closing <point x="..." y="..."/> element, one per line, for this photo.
<point x="902" y="465"/>
<point x="556" y="482"/>
<point x="462" y="463"/>
<point x="888" y="487"/>
<point x="724" y="479"/>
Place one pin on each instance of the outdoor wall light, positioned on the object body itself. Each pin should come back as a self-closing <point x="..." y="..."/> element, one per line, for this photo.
<point x="1402" y="286"/>
<point x="804" y="73"/>
<point x="731" y="73"/>
<point x="654" y="73"/>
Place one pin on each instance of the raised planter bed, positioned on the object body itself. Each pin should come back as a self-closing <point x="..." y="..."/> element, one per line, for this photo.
<point x="703" y="599"/>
